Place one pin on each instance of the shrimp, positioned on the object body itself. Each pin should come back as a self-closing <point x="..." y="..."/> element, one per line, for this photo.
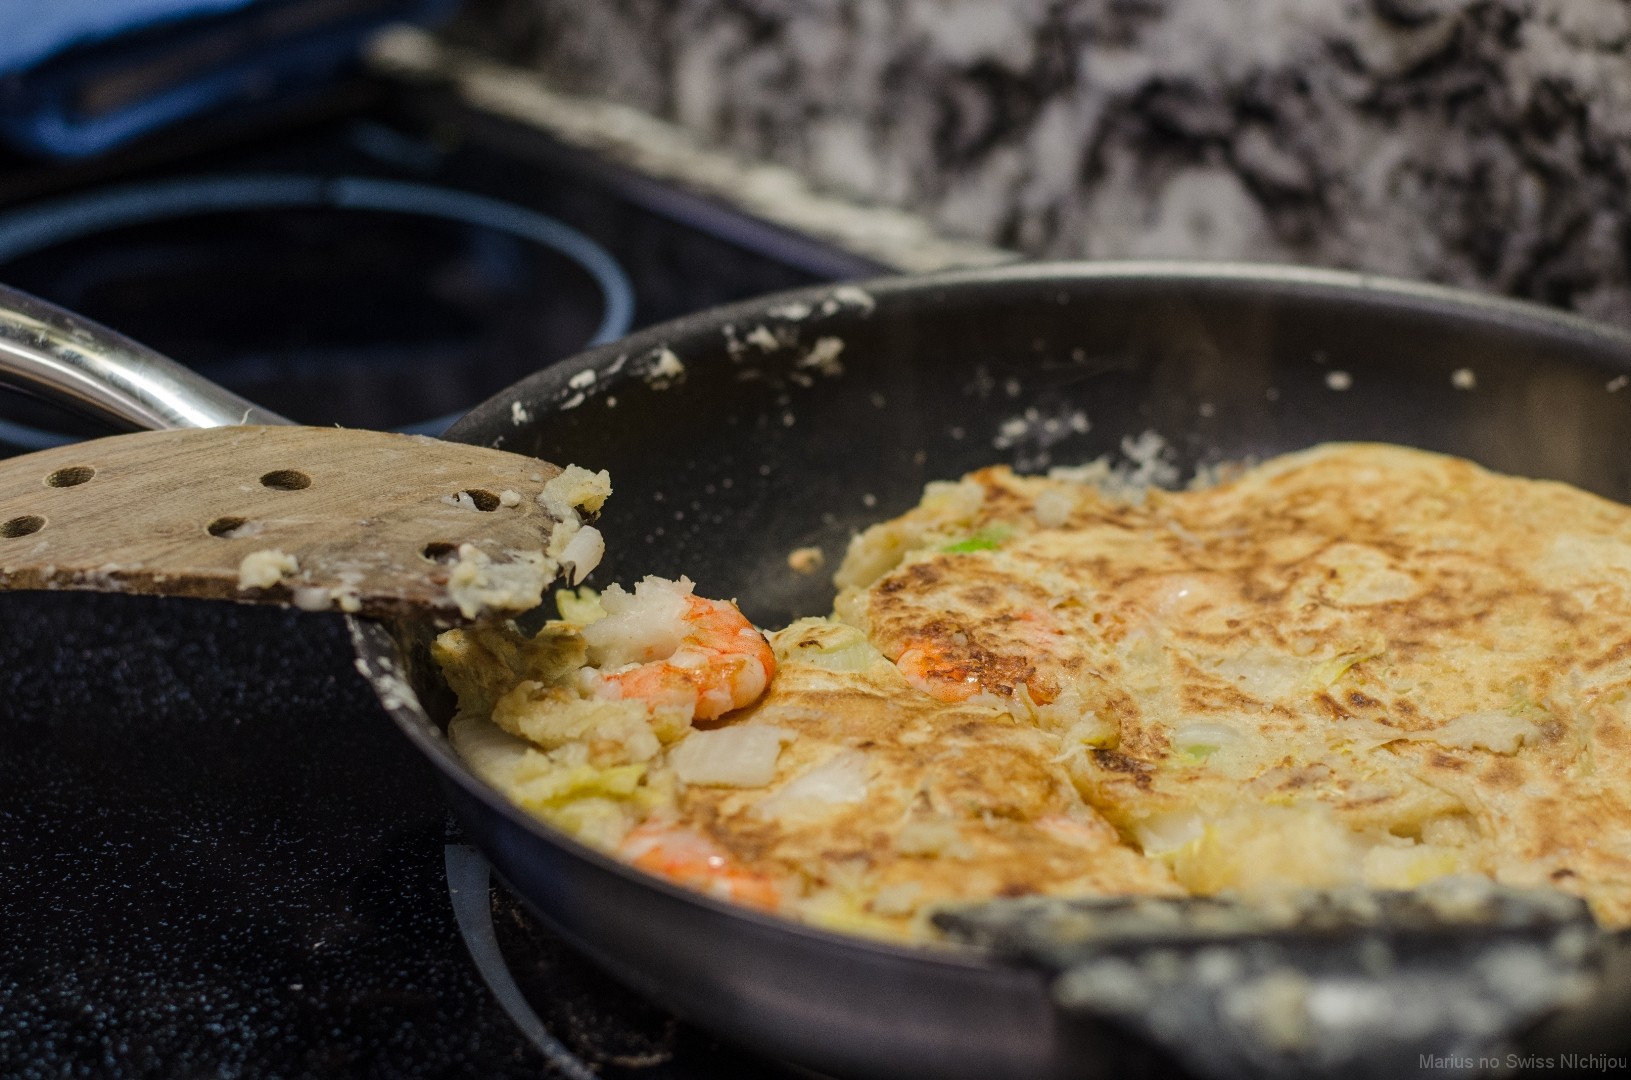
<point x="930" y="667"/>
<point x="671" y="649"/>
<point x="692" y="859"/>
<point x="953" y="673"/>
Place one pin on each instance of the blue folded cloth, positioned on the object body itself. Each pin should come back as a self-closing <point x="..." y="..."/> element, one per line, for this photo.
<point x="32" y="31"/>
<point x="78" y="77"/>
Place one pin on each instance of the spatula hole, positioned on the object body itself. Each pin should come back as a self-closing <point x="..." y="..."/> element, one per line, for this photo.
<point x="286" y="480"/>
<point x="22" y="526"/>
<point x="485" y="501"/>
<point x="72" y="476"/>
<point x="440" y="551"/>
<point x="225" y="526"/>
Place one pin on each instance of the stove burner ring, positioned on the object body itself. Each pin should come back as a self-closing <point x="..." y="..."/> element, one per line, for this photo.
<point x="23" y="232"/>
<point x="468" y="885"/>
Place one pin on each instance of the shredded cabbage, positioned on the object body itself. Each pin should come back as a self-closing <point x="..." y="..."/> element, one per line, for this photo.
<point x="984" y="540"/>
<point x="743" y="756"/>
<point x="579" y="606"/>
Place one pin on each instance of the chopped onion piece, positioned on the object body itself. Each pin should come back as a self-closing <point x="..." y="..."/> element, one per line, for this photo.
<point x="1161" y="834"/>
<point x="839" y="781"/>
<point x="1199" y="740"/>
<point x="639" y="627"/>
<point x="1492" y="729"/>
<point x="743" y="756"/>
<point x="583" y="553"/>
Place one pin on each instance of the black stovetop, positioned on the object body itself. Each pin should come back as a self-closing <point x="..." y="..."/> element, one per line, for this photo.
<point x="219" y="856"/>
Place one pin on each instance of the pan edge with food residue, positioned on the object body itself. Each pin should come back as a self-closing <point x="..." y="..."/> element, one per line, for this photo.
<point x="766" y="454"/>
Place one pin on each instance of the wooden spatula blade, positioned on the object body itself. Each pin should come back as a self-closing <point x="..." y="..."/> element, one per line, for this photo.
<point x="322" y="518"/>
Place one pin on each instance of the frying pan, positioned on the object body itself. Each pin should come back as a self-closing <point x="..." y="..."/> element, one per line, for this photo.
<point x="738" y="435"/>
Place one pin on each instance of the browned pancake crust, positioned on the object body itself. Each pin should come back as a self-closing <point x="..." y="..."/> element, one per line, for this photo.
<point x="962" y="802"/>
<point x="1396" y="636"/>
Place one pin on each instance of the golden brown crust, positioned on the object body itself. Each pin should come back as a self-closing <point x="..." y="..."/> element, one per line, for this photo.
<point x="961" y="802"/>
<point x="1392" y="635"/>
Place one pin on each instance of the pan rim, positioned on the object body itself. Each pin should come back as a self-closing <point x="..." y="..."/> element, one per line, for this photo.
<point x="544" y="385"/>
<point x="374" y="645"/>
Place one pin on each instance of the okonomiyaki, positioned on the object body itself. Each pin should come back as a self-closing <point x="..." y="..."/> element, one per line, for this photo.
<point x="1358" y="664"/>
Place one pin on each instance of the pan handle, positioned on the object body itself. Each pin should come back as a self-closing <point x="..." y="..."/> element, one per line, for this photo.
<point x="57" y="355"/>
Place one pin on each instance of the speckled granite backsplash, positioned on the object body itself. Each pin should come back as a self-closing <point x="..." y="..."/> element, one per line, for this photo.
<point x="1478" y="143"/>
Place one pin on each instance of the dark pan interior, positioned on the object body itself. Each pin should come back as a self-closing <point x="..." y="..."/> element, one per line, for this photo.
<point x="754" y="452"/>
<point x="763" y="444"/>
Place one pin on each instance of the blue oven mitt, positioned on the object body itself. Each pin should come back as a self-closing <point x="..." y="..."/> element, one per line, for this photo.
<point x="78" y="77"/>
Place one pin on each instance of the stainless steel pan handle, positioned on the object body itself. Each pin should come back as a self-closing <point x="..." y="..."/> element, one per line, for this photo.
<point x="83" y="365"/>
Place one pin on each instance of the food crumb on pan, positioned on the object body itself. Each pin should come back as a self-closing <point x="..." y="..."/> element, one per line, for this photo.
<point x="1339" y="380"/>
<point x="791" y="312"/>
<point x="579" y="553"/>
<point x="1277" y="1006"/>
<point x="479" y="585"/>
<point x="1009" y="431"/>
<point x="265" y="568"/>
<point x="311" y="597"/>
<point x="519" y="414"/>
<point x="848" y="296"/>
<point x="1147" y="466"/>
<point x="666" y="368"/>
<point x="1033" y="434"/>
<point x="823" y="357"/>
<point x="575" y="488"/>
<point x="1464" y="379"/>
<point x="805" y="560"/>
<point x="570" y="498"/>
<point x="1618" y="383"/>
<point x="761" y="337"/>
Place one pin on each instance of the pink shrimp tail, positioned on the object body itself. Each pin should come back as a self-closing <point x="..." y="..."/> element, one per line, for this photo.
<point x="722" y="664"/>
<point x="690" y="858"/>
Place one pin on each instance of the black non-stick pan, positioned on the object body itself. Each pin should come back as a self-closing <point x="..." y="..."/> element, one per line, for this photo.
<point x="736" y="436"/>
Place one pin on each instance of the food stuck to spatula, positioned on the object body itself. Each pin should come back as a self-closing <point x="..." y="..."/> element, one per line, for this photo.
<point x="1359" y="665"/>
<point x="321" y="518"/>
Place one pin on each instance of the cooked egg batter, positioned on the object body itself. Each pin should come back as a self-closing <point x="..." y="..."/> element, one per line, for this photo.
<point x="1354" y="664"/>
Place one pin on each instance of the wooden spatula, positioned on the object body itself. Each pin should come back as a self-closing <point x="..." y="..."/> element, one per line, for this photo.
<point x="322" y="518"/>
